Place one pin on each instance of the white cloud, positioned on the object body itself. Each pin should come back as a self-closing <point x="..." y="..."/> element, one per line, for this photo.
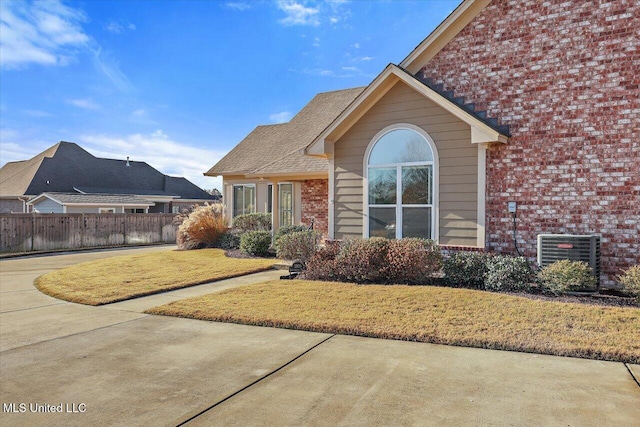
<point x="298" y="14"/>
<point x="160" y="151"/>
<point x="85" y="104"/>
<point x="353" y="69"/>
<point x="37" y="113"/>
<point x="40" y="32"/>
<point x="117" y="28"/>
<point x="139" y="113"/>
<point x="281" y="117"/>
<point x="110" y="67"/>
<point x="238" y="5"/>
<point x="356" y="45"/>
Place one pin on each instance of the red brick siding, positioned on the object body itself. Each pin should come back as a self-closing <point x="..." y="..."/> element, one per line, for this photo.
<point x="315" y="204"/>
<point x="565" y="76"/>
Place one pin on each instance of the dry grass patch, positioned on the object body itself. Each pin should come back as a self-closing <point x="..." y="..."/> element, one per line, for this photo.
<point x="120" y="278"/>
<point x="428" y="314"/>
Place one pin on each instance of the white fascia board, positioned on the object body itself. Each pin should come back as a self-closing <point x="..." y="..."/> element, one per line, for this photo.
<point x="321" y="145"/>
<point x="480" y="132"/>
<point x="443" y="34"/>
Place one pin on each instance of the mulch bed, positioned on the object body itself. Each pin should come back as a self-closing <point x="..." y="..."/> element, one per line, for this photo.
<point x="608" y="298"/>
<point x="595" y="299"/>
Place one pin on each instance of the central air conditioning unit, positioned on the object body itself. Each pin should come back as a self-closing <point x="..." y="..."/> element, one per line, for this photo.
<point x="555" y="247"/>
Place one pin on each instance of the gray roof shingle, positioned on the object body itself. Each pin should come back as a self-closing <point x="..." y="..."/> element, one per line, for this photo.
<point x="66" y="167"/>
<point x="106" y="199"/>
<point x="273" y="149"/>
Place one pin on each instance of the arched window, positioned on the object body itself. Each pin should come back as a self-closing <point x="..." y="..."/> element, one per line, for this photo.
<point x="400" y="165"/>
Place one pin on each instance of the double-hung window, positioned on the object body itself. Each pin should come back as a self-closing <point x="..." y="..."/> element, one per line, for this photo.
<point x="400" y="185"/>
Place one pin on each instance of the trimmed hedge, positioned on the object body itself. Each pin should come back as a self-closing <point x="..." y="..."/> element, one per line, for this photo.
<point x="252" y="222"/>
<point x="287" y="229"/>
<point x="564" y="275"/>
<point x="630" y="281"/>
<point x="376" y="260"/>
<point x="466" y="269"/>
<point x="255" y="242"/>
<point x="508" y="273"/>
<point x="298" y="245"/>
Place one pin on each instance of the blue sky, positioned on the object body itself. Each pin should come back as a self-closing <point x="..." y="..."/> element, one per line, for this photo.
<point x="178" y="83"/>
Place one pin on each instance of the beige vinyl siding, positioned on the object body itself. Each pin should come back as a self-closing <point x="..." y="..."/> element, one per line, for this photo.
<point x="262" y="193"/>
<point x="46" y="205"/>
<point x="458" y="165"/>
<point x="94" y="209"/>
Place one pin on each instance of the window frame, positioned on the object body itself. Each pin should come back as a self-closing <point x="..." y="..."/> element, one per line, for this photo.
<point x="293" y="200"/>
<point x="399" y="205"/>
<point x="233" y="201"/>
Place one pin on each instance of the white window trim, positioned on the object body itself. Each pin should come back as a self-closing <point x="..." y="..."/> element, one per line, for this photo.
<point x="293" y="202"/>
<point x="233" y="198"/>
<point x="107" y="210"/>
<point x="435" y="215"/>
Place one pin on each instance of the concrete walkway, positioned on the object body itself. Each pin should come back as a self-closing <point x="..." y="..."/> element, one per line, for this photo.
<point x="114" y="365"/>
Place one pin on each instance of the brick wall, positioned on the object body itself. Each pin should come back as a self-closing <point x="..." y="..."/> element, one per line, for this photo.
<point x="564" y="75"/>
<point x="315" y="204"/>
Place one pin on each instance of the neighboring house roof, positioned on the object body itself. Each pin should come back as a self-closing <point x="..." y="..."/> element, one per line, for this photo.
<point x="66" y="167"/>
<point x="277" y="149"/>
<point x="76" y="199"/>
<point x="482" y="129"/>
<point x="15" y="177"/>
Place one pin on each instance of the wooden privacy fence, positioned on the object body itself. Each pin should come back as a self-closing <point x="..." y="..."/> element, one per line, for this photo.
<point x="45" y="232"/>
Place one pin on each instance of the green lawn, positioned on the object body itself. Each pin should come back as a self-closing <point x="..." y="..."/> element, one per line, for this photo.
<point x="120" y="278"/>
<point x="432" y="314"/>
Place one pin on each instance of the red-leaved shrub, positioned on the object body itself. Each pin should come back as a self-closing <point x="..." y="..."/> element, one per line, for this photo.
<point x="411" y="261"/>
<point x="376" y="260"/>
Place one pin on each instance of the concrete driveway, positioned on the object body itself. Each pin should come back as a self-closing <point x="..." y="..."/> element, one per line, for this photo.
<point x="114" y="365"/>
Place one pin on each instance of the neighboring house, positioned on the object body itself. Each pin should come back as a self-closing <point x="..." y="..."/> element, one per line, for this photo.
<point x="88" y="203"/>
<point x="267" y="171"/>
<point x="67" y="168"/>
<point x="531" y="102"/>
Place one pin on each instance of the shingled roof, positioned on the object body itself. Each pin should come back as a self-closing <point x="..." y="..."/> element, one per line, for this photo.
<point x="94" y="199"/>
<point x="276" y="149"/>
<point x="66" y="168"/>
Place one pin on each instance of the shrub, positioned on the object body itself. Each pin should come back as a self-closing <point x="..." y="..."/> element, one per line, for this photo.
<point x="298" y="245"/>
<point x="466" y="269"/>
<point x="411" y="261"/>
<point x="252" y="222"/>
<point x="507" y="273"/>
<point x="287" y="229"/>
<point x="255" y="242"/>
<point x="323" y="265"/>
<point x="630" y="281"/>
<point x="566" y="275"/>
<point x="203" y="228"/>
<point x="362" y="260"/>
<point x="229" y="240"/>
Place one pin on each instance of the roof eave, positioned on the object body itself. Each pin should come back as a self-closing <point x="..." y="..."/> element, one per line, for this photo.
<point x="291" y="175"/>
<point x="392" y="74"/>
<point x="443" y="34"/>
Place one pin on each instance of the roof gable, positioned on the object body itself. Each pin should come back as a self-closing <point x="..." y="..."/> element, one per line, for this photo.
<point x="481" y="130"/>
<point x="15" y="177"/>
<point x="445" y="32"/>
